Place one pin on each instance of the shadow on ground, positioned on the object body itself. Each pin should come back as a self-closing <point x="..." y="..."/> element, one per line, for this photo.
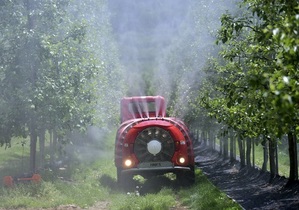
<point x="250" y="187"/>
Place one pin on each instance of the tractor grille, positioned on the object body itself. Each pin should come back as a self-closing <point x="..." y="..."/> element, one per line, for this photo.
<point x="154" y="144"/>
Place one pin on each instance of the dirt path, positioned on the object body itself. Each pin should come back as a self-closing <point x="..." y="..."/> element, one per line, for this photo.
<point x="101" y="205"/>
<point x="247" y="186"/>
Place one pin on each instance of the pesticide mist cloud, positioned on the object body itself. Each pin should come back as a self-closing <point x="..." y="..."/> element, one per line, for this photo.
<point x="164" y="44"/>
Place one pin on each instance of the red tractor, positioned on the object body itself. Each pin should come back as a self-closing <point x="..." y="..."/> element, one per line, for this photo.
<point x="150" y="144"/>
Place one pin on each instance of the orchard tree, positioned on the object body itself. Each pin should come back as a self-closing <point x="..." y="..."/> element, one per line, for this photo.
<point x="257" y="74"/>
<point x="51" y="72"/>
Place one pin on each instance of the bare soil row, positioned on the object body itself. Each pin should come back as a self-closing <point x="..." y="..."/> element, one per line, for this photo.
<point x="250" y="187"/>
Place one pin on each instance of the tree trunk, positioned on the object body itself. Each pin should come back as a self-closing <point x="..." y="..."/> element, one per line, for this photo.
<point x="232" y="147"/>
<point x="51" y="146"/>
<point x="235" y="146"/>
<point x="221" y="145"/>
<point x="253" y="153"/>
<point x="273" y="158"/>
<point x="248" y="151"/>
<point x="214" y="141"/>
<point x="33" y="140"/>
<point x="225" y="146"/>
<point x="54" y="148"/>
<point x="242" y="151"/>
<point x="42" y="148"/>
<point x="265" y="149"/>
<point x="211" y="139"/>
<point x="205" y="138"/>
<point x="292" y="140"/>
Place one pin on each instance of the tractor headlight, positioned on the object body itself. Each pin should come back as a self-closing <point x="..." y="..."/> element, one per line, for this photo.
<point x="128" y="162"/>
<point x="182" y="160"/>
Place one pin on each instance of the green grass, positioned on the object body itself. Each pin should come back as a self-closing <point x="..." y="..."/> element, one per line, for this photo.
<point x="202" y="195"/>
<point x="82" y="189"/>
<point x="89" y="182"/>
<point x="206" y="196"/>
